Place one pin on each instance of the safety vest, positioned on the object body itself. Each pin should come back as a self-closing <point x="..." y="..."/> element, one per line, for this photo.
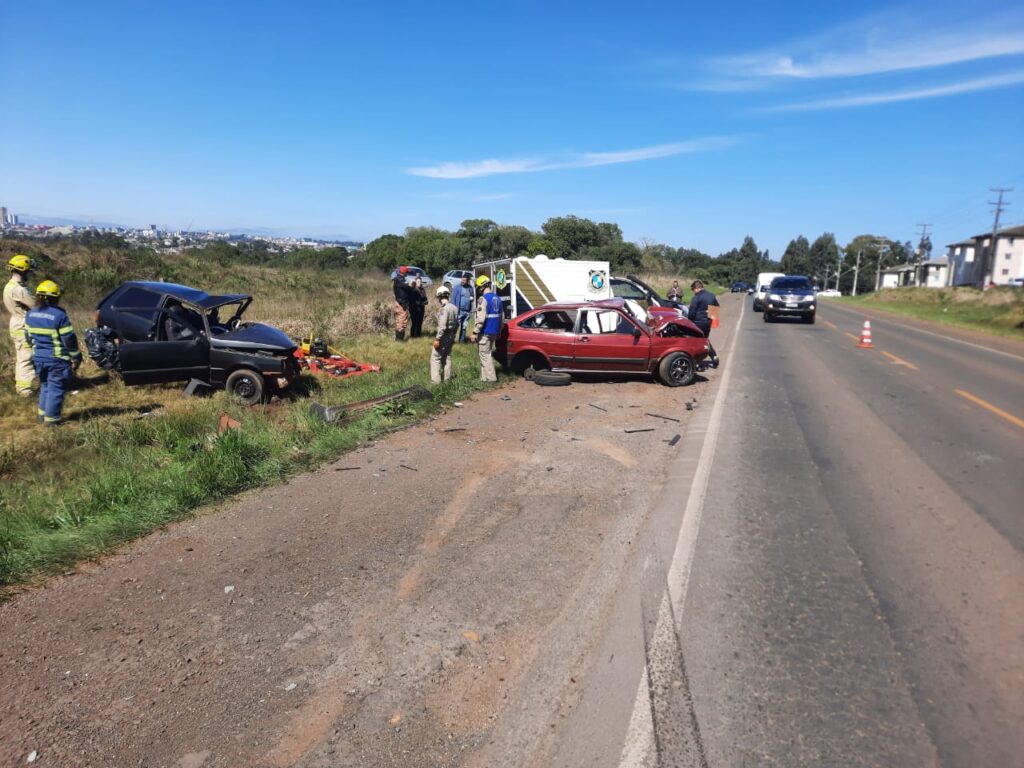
<point x="48" y="331"/>
<point x="18" y="301"/>
<point x="492" y="325"/>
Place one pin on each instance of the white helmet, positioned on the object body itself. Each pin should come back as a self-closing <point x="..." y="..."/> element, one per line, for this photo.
<point x="443" y="291"/>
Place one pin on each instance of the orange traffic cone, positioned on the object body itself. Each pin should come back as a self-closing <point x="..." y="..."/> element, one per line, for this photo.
<point x="865" y="336"/>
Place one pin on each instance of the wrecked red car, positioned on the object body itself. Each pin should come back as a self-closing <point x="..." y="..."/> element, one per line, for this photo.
<point x="602" y="337"/>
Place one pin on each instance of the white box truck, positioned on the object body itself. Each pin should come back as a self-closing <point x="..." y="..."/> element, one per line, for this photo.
<point x="524" y="283"/>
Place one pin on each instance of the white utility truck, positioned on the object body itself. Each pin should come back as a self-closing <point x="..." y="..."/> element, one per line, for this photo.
<point x="524" y="283"/>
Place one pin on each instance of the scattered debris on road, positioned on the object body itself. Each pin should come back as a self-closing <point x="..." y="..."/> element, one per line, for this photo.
<point x="598" y="407"/>
<point x="406" y="466"/>
<point x="640" y="429"/>
<point x="674" y="440"/>
<point x="659" y="416"/>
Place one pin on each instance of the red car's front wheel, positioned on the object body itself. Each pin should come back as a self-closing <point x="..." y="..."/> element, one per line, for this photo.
<point x="677" y="369"/>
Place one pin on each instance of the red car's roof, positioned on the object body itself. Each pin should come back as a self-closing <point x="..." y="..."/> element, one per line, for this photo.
<point x="614" y="303"/>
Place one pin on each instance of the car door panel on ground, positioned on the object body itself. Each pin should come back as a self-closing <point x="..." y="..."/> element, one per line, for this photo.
<point x="607" y="340"/>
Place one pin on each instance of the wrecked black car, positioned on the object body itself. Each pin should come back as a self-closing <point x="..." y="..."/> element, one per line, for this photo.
<point x="152" y="332"/>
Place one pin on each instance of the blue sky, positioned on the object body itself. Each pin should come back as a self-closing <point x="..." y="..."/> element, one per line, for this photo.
<point x="690" y="124"/>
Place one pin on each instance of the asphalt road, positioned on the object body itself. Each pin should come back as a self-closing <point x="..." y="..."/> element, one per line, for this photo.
<point x="825" y="569"/>
<point x="855" y="596"/>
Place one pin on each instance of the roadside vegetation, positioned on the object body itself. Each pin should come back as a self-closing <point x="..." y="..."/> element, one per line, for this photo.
<point x="134" y="458"/>
<point x="998" y="311"/>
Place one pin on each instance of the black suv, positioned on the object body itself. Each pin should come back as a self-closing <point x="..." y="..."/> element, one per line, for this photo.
<point x="790" y="296"/>
<point x="632" y="287"/>
<point x="154" y="332"/>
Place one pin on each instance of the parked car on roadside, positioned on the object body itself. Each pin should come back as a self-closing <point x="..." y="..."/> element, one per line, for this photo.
<point x="601" y="337"/>
<point x="637" y="290"/>
<point x="790" y="296"/>
<point x="413" y="273"/>
<point x="152" y="332"/>
<point x="453" y="277"/>
<point x="829" y="293"/>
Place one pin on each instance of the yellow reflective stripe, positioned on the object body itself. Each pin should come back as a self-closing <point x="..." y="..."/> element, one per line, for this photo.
<point x="66" y="329"/>
<point x="58" y="348"/>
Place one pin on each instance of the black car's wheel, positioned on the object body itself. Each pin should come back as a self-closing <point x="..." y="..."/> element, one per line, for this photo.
<point x="766" y="317"/>
<point x="809" y="319"/>
<point x="245" y="385"/>
<point x="677" y="369"/>
<point x="552" y="379"/>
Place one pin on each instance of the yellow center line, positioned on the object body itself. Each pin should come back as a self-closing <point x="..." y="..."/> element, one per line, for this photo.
<point x="989" y="407"/>
<point x="899" y="360"/>
<point x="833" y="326"/>
<point x="852" y="336"/>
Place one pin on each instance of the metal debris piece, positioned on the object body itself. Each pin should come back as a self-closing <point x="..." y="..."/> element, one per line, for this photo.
<point x="406" y="466"/>
<point x="642" y="429"/>
<point x="454" y="429"/>
<point x="674" y="440"/>
<point x="598" y="407"/>
<point x="345" y="469"/>
<point x="334" y="412"/>
<point x="659" y="416"/>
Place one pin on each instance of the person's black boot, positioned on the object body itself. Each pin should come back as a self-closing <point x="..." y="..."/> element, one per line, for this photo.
<point x="714" y="363"/>
<point x="399" y="336"/>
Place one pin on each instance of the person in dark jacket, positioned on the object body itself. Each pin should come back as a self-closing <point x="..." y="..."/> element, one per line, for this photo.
<point x="417" y="308"/>
<point x="698" y="314"/>
<point x="402" y="301"/>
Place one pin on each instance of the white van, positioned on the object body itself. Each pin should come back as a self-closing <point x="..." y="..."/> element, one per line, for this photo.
<point x="761" y="288"/>
<point x="525" y="283"/>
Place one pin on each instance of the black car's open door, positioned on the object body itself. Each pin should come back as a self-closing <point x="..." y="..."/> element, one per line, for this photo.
<point x="161" y="359"/>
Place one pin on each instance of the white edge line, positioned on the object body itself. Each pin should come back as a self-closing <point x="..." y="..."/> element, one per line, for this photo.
<point x="639" y="742"/>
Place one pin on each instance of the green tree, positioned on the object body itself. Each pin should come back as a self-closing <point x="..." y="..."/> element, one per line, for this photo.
<point x="481" y="237"/>
<point x="824" y="255"/>
<point x="570" y="236"/>
<point x="384" y="252"/>
<point x="797" y="258"/>
<point x="513" y="240"/>
<point x="540" y="245"/>
<point x="747" y="262"/>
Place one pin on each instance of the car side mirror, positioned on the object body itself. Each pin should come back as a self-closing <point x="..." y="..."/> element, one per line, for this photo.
<point x="636" y="333"/>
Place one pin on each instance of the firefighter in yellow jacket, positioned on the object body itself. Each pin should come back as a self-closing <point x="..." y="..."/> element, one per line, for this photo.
<point x="19" y="299"/>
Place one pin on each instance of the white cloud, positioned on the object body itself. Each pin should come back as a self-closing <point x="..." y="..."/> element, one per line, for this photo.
<point x="892" y="41"/>
<point x="492" y="167"/>
<point x="915" y="94"/>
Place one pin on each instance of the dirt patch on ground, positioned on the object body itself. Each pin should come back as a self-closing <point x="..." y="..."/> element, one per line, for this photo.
<point x="385" y="615"/>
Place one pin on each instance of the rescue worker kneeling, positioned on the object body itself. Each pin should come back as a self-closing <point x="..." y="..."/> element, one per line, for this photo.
<point x="489" y="311"/>
<point x="447" y="326"/>
<point x="55" y="351"/>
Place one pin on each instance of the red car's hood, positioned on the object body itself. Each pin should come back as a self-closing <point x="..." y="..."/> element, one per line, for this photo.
<point x="660" y="319"/>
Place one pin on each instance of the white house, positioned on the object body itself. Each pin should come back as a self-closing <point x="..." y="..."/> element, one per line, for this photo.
<point x="963" y="267"/>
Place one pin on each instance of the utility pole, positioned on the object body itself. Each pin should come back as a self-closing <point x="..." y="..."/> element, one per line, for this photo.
<point x="856" y="273"/>
<point x="988" y="273"/>
<point x="839" y="270"/>
<point x="878" y="263"/>
<point x="920" y="253"/>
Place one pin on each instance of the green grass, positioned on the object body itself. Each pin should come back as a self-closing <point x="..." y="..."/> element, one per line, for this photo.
<point x="77" y="492"/>
<point x="998" y="311"/>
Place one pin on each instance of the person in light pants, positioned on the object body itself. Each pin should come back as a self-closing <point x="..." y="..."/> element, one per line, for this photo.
<point x="447" y="326"/>
<point x="19" y="299"/>
<point x="487" y="327"/>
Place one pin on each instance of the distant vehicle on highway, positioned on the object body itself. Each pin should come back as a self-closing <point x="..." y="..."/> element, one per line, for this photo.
<point x="790" y="296"/>
<point x="761" y="288"/>
<point x="601" y="337"/>
<point x="829" y="293"/>
<point x="738" y="287"/>
<point x="1016" y="282"/>
<point x="413" y="273"/>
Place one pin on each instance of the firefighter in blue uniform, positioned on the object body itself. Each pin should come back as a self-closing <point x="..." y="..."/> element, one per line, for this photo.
<point x="55" y="351"/>
<point x="487" y="327"/>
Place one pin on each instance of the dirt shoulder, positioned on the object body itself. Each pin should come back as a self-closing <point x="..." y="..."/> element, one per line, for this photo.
<point x="391" y="608"/>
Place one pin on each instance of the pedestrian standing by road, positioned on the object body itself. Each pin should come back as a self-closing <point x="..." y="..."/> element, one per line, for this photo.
<point x="675" y="293"/>
<point x="417" y="308"/>
<point x="401" y="289"/>
<point x="487" y="326"/>
<point x="19" y="300"/>
<point x="55" y="351"/>
<point x="700" y="315"/>
<point x="462" y="300"/>
<point x="447" y="325"/>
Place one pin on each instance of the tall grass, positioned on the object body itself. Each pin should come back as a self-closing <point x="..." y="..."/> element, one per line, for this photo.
<point x="76" y="492"/>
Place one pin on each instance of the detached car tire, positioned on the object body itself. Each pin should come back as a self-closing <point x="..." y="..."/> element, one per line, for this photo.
<point x="677" y="370"/>
<point x="246" y="385"/>
<point x="551" y="378"/>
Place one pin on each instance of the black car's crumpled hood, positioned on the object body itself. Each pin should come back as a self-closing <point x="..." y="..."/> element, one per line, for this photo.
<point x="256" y="336"/>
